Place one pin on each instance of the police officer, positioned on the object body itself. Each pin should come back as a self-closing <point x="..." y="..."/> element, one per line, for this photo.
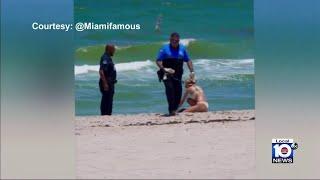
<point x="170" y="61"/>
<point x="108" y="77"/>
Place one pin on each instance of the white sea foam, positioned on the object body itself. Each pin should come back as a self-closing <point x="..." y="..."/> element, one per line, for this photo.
<point x="184" y="42"/>
<point x="83" y="49"/>
<point x="206" y="69"/>
<point x="136" y="65"/>
<point x="83" y="69"/>
<point x="226" y="62"/>
<point x="223" y="69"/>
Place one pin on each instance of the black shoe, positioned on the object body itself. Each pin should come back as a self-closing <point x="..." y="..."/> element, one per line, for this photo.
<point x="172" y="113"/>
<point x="169" y="114"/>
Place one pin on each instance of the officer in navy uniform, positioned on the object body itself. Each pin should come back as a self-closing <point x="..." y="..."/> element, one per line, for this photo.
<point x="108" y="77"/>
<point x="170" y="61"/>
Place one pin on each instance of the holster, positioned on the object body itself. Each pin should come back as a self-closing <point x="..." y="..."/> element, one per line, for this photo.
<point x="160" y="74"/>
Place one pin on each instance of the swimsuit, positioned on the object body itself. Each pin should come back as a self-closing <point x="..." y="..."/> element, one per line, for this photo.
<point x="204" y="103"/>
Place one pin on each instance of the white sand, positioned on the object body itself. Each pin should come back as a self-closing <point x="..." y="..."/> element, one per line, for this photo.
<point x="200" y="145"/>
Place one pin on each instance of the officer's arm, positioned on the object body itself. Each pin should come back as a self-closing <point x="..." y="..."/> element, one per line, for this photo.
<point x="103" y="77"/>
<point x="160" y="65"/>
<point x="160" y="57"/>
<point x="188" y="60"/>
<point x="190" y="65"/>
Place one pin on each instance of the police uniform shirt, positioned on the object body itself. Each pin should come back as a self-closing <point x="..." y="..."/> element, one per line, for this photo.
<point x="107" y="65"/>
<point x="167" y="52"/>
<point x="173" y="58"/>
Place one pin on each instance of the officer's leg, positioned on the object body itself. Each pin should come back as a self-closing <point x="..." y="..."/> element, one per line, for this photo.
<point x="103" y="100"/>
<point x="177" y="93"/>
<point x="103" y="105"/>
<point x="169" y="93"/>
<point x="110" y="100"/>
<point x="111" y="104"/>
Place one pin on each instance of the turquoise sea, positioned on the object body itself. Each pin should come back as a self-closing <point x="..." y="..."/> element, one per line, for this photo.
<point x="218" y="35"/>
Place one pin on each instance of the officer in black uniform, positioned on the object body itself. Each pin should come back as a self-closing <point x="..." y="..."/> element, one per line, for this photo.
<point x="108" y="77"/>
<point x="170" y="61"/>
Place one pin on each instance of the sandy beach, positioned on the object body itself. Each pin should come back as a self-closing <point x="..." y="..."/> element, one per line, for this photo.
<point x="198" y="145"/>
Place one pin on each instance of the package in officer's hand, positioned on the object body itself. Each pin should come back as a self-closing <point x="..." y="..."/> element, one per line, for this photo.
<point x="169" y="70"/>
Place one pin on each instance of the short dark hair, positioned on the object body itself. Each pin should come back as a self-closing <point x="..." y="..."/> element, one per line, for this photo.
<point x="108" y="46"/>
<point x="175" y="34"/>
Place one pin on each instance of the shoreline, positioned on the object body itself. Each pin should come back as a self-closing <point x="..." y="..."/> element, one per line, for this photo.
<point x="149" y="119"/>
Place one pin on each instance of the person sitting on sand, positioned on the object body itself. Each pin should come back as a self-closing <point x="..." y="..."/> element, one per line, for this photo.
<point x="196" y="98"/>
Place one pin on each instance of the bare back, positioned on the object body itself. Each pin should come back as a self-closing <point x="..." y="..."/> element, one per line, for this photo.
<point x="196" y="93"/>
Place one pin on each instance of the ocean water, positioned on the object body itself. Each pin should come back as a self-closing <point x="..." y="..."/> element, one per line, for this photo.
<point x="218" y="35"/>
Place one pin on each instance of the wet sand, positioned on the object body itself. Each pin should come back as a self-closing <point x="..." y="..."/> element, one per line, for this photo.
<point x="199" y="145"/>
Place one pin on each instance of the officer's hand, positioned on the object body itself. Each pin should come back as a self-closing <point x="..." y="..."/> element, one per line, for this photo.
<point x="192" y="76"/>
<point x="105" y="87"/>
